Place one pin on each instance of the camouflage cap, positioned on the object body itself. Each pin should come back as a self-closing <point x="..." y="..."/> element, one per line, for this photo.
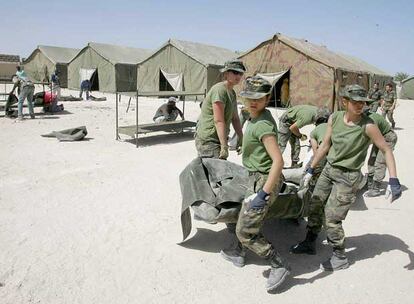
<point x="256" y="87"/>
<point x="355" y="92"/>
<point x="234" y="65"/>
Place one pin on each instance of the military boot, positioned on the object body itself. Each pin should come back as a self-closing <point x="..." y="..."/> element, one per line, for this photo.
<point x="278" y="272"/>
<point x="393" y="125"/>
<point x="235" y="254"/>
<point x="337" y="261"/>
<point x="307" y="246"/>
<point x="370" y="181"/>
<point x="374" y="191"/>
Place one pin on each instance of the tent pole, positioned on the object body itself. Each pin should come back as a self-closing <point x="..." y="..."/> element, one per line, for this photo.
<point x="136" y="120"/>
<point x="116" y="111"/>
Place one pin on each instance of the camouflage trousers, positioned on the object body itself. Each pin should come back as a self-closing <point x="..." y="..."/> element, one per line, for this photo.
<point x="387" y="112"/>
<point x="250" y="222"/>
<point x="334" y="193"/>
<point x="376" y="161"/>
<point x="285" y="136"/>
<point x="207" y="149"/>
<point x="373" y="107"/>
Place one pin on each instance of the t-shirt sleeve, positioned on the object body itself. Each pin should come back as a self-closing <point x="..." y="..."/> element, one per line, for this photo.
<point x="265" y="128"/>
<point x="313" y="134"/>
<point x="219" y="95"/>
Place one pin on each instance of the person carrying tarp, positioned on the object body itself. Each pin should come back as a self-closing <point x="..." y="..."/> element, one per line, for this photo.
<point x="26" y="91"/>
<point x="168" y="112"/>
<point x="347" y="138"/>
<point x="262" y="158"/>
<point x="290" y="123"/>
<point x="218" y="110"/>
<point x="388" y="103"/>
<point x="376" y="161"/>
<point x="375" y="95"/>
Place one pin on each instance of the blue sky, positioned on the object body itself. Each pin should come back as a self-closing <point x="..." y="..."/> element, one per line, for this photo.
<point x="379" y="32"/>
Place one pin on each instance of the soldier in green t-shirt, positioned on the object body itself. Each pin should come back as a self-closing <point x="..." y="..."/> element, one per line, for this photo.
<point x="376" y="160"/>
<point x="290" y="122"/>
<point x="264" y="161"/>
<point x="375" y="95"/>
<point x="347" y="137"/>
<point x="218" y="111"/>
<point x="388" y="103"/>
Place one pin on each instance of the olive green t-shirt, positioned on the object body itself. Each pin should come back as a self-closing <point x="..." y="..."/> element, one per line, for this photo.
<point x="206" y="129"/>
<point x="319" y="133"/>
<point x="381" y="123"/>
<point x="349" y="143"/>
<point x="302" y="115"/>
<point x="255" y="157"/>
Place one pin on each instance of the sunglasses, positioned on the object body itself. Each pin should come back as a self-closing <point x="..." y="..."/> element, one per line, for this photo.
<point x="236" y="72"/>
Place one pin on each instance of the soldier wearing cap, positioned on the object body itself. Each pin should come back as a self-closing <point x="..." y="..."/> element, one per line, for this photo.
<point x="262" y="158"/>
<point x="218" y="111"/>
<point x="290" y="122"/>
<point x="347" y="138"/>
<point x="168" y="112"/>
<point x="388" y="103"/>
<point x="375" y="95"/>
<point x="376" y="161"/>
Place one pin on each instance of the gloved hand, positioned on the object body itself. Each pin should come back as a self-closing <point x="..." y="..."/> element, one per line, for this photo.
<point x="306" y="178"/>
<point x="393" y="189"/>
<point x="303" y="137"/>
<point x="258" y="200"/>
<point x="239" y="145"/>
<point x="224" y="152"/>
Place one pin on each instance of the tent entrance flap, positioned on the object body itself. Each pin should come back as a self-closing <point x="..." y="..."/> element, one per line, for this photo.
<point x="86" y="74"/>
<point x="175" y="80"/>
<point x="280" y="87"/>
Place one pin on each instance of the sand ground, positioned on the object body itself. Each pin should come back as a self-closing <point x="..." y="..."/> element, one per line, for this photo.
<point x="98" y="221"/>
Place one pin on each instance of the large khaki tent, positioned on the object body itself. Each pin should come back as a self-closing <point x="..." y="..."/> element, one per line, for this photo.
<point x="8" y="65"/>
<point x="316" y="75"/>
<point x="111" y="68"/>
<point x="407" y="88"/>
<point x="44" y="60"/>
<point x="182" y="66"/>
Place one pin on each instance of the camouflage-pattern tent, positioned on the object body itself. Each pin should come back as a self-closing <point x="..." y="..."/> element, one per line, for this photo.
<point x="110" y="67"/>
<point x="407" y="88"/>
<point x="44" y="60"/>
<point x="8" y="65"/>
<point x="182" y="66"/>
<point x="316" y="74"/>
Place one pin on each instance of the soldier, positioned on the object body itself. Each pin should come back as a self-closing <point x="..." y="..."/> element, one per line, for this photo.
<point x="375" y="95"/>
<point x="376" y="160"/>
<point x="289" y="124"/>
<point x="347" y="138"/>
<point x="218" y="110"/>
<point x="264" y="161"/>
<point x="388" y="103"/>
<point x="168" y="112"/>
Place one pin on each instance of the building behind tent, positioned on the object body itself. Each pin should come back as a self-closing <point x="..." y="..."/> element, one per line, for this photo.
<point x="182" y="66"/>
<point x="315" y="74"/>
<point x="407" y="88"/>
<point x="44" y="60"/>
<point x="8" y="65"/>
<point x="110" y="68"/>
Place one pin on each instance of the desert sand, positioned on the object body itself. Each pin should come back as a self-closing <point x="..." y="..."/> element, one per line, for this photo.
<point x="98" y="221"/>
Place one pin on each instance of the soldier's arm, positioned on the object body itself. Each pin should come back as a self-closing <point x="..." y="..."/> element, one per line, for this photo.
<point x="295" y="130"/>
<point x="324" y="147"/>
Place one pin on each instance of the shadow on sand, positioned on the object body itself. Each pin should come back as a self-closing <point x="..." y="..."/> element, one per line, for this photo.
<point x="163" y="138"/>
<point x="360" y="247"/>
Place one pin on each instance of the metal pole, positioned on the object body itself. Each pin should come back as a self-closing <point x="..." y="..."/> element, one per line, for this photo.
<point x="136" y="119"/>
<point x="116" y="123"/>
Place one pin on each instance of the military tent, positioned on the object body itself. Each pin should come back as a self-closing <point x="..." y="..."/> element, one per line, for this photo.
<point x="111" y="68"/>
<point x="182" y="66"/>
<point x="8" y="65"/>
<point x="44" y="60"/>
<point x="316" y="75"/>
<point x="407" y="88"/>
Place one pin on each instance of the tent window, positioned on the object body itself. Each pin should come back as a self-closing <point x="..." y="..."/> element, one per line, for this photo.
<point x="280" y="91"/>
<point x="164" y="84"/>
